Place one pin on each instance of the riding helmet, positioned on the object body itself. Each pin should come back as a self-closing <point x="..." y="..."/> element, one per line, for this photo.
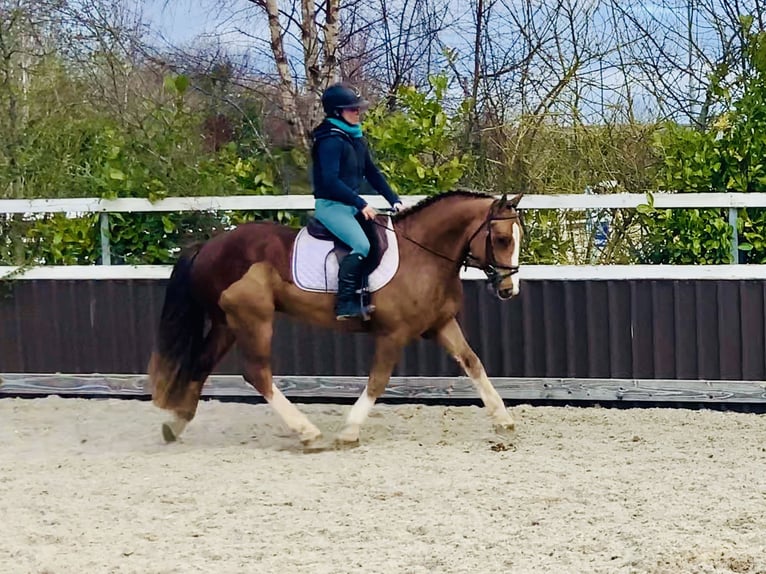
<point x="338" y="97"/>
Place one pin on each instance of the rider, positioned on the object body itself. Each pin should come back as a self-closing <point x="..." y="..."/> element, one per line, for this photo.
<point x="341" y="162"/>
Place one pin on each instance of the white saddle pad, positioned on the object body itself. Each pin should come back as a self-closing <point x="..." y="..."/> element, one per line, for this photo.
<point x="315" y="267"/>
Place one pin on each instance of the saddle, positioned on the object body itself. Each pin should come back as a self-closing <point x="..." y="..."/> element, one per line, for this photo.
<point x="376" y="234"/>
<point x="316" y="256"/>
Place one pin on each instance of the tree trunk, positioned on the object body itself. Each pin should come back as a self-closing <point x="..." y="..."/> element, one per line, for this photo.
<point x="330" y="68"/>
<point x="310" y="43"/>
<point x="287" y="93"/>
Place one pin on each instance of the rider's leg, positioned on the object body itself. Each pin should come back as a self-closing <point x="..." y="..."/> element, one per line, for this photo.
<point x="339" y="219"/>
<point x="348" y="304"/>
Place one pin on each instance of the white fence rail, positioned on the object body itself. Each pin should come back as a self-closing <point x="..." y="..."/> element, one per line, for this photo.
<point x="303" y="202"/>
<point x="730" y="201"/>
<point x="526" y="273"/>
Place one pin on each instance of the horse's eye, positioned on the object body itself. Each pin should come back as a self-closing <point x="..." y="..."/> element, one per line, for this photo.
<point x="504" y="241"/>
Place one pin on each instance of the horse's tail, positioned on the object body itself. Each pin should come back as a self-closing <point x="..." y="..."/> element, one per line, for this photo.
<point x="179" y="339"/>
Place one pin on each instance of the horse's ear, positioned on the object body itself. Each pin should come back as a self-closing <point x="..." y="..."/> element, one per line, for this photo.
<point x="500" y="203"/>
<point x="515" y="200"/>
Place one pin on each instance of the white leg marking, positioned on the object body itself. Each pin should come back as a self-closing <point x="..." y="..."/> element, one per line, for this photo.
<point x="491" y="399"/>
<point x="361" y="409"/>
<point x="515" y="256"/>
<point x="293" y="417"/>
<point x="358" y="414"/>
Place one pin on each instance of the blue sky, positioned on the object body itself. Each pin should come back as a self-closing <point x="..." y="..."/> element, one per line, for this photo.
<point x="207" y="22"/>
<point x="178" y="20"/>
<point x="182" y="22"/>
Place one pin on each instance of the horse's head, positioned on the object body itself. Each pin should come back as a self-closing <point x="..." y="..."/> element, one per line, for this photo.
<point x="494" y="247"/>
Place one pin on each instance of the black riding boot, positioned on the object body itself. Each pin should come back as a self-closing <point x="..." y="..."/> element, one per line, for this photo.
<point x="348" y="304"/>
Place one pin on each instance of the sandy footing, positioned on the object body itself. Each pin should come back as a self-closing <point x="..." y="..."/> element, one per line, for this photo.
<point x="89" y="486"/>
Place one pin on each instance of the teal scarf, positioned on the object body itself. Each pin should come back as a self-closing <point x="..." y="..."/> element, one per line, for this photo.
<point x="353" y="131"/>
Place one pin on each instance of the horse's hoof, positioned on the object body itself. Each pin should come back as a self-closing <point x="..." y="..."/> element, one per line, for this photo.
<point x="167" y="433"/>
<point x="505" y="427"/>
<point x="310" y="436"/>
<point x="347" y="438"/>
<point x="316" y="446"/>
<point x="502" y="421"/>
<point x="341" y="444"/>
<point x="172" y="430"/>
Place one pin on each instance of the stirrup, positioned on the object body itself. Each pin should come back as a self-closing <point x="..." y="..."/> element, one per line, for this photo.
<point x="363" y="313"/>
<point x="367" y="311"/>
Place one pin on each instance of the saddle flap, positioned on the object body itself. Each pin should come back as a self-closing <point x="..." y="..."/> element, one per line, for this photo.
<point x="375" y="231"/>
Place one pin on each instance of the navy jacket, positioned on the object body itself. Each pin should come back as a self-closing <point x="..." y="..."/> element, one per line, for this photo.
<point x="340" y="165"/>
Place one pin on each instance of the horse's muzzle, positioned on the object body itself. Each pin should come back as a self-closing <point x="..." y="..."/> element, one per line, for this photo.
<point x="496" y="278"/>
<point x="504" y="294"/>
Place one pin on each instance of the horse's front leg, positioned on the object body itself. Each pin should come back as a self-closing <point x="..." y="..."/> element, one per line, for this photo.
<point x="388" y="349"/>
<point x="451" y="337"/>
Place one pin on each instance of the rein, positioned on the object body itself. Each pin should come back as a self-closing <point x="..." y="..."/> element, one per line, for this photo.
<point x="423" y="247"/>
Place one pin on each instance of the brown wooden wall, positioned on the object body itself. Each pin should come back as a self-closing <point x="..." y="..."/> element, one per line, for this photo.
<point x="667" y="329"/>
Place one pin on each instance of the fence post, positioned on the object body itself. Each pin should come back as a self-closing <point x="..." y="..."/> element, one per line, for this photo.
<point x="106" y="252"/>
<point x="734" y="236"/>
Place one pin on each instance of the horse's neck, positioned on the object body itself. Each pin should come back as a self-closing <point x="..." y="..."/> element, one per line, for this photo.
<point x="446" y="229"/>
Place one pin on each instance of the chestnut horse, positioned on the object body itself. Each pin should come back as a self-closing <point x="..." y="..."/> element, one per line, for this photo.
<point x="227" y="291"/>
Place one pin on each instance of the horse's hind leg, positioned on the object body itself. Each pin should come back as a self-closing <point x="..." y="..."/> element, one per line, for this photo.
<point x="217" y="342"/>
<point x="252" y="320"/>
<point x="255" y="344"/>
<point x="451" y="337"/>
<point x="388" y="349"/>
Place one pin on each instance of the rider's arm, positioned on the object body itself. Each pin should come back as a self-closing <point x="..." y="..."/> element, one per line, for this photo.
<point x="329" y="154"/>
<point x="377" y="181"/>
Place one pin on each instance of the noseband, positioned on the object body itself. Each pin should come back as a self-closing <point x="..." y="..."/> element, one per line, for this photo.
<point x="496" y="272"/>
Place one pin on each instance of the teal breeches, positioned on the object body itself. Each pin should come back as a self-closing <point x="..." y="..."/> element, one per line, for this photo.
<point x="339" y="219"/>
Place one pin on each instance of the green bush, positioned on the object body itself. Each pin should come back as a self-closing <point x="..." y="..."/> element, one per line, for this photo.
<point x="727" y="155"/>
<point x="416" y="145"/>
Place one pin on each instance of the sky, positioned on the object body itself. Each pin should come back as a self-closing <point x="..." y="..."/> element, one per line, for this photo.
<point x="181" y="22"/>
<point x="192" y="25"/>
<point x="178" y="20"/>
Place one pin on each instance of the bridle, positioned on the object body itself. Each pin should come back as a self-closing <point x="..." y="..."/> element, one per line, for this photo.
<point x="493" y="269"/>
<point x="496" y="272"/>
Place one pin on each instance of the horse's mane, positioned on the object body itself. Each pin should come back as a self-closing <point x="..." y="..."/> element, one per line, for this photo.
<point x="422" y="204"/>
